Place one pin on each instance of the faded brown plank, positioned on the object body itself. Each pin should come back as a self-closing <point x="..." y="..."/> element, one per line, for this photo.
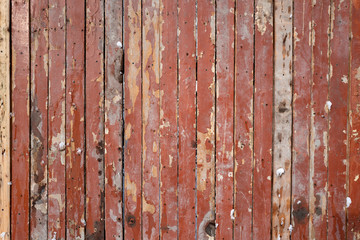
<point x="95" y="189"/>
<point x="168" y="120"/>
<point x="56" y="121"/>
<point x="338" y="117"/>
<point x="281" y="198"/>
<point x="20" y="125"/>
<point x="263" y="109"/>
<point x="5" y="119"/>
<point x="113" y="119"/>
<point x="244" y="122"/>
<point x="133" y="123"/>
<point x="206" y="119"/>
<point x="39" y="87"/>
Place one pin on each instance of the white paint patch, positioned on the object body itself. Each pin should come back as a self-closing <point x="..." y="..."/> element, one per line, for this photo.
<point x="328" y="105"/>
<point x="291" y="228"/>
<point x="62" y="146"/>
<point x="356" y="178"/>
<point x="280" y="172"/>
<point x="54" y="237"/>
<point x="344" y="79"/>
<point x="119" y="44"/>
<point x="83" y="221"/>
<point x="230" y="174"/>
<point x="220" y="177"/>
<point x="2" y="235"/>
<point x="9" y="183"/>
<point x="298" y="202"/>
<point x="348" y="202"/>
<point x="232" y="214"/>
<point x="78" y="151"/>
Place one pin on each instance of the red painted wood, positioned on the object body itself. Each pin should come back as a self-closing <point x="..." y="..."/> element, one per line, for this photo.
<point x="38" y="124"/>
<point x="113" y="119"/>
<point x="225" y="40"/>
<point x="75" y="182"/>
<point x="168" y="120"/>
<point x="243" y="129"/>
<point x="319" y="131"/>
<point x="56" y="121"/>
<point x="353" y="211"/>
<point x="187" y="118"/>
<point x="263" y="109"/>
<point x="338" y="96"/>
<point x="150" y="119"/>
<point x="95" y="189"/>
<point x="206" y="119"/>
<point x="301" y="119"/>
<point x="20" y="124"/>
<point x="133" y="123"/>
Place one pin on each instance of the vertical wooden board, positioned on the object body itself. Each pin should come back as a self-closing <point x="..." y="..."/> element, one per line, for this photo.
<point x="56" y="121"/>
<point x="187" y="118"/>
<point x="319" y="120"/>
<point x="353" y="211"/>
<point x="113" y="119"/>
<point x="75" y="139"/>
<point x="38" y="125"/>
<point x="301" y="119"/>
<point x="168" y="120"/>
<point x="5" y="119"/>
<point x="338" y="97"/>
<point x="224" y="118"/>
<point x="281" y="192"/>
<point x="150" y="119"/>
<point x="133" y="123"/>
<point x="206" y="119"/>
<point x="20" y="124"/>
<point x="243" y="129"/>
<point x="263" y="109"/>
<point x="95" y="225"/>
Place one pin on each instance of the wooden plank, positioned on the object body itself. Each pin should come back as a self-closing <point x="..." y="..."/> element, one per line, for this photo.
<point x="301" y="119"/>
<point x="338" y="96"/>
<point x="243" y="129"/>
<point x="56" y="121"/>
<point x="206" y="119"/>
<point x="281" y="192"/>
<point x="353" y="211"/>
<point x="39" y="87"/>
<point x="187" y="118"/>
<point x="20" y="124"/>
<point x="263" y="108"/>
<point x="113" y="119"/>
<point x="319" y="120"/>
<point x="168" y="120"/>
<point x="133" y="123"/>
<point x="5" y="119"/>
<point x="95" y="189"/>
<point x="225" y="41"/>
<point x="75" y="139"/>
<point x="150" y="119"/>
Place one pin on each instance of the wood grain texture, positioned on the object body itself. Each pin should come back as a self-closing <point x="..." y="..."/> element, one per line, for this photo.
<point x="338" y="117"/>
<point x="263" y="109"/>
<point x="132" y="118"/>
<point x="94" y="95"/>
<point x="20" y="124"/>
<point x="244" y="122"/>
<point x="187" y="119"/>
<point x="113" y="119"/>
<point x="75" y="121"/>
<point x="282" y="135"/>
<point x="225" y="39"/>
<point x="38" y="119"/>
<point x="5" y="119"/>
<point x="206" y="119"/>
<point x="353" y="211"/>
<point x="56" y="121"/>
<point x="301" y="119"/>
<point x="168" y="120"/>
<point x="319" y="119"/>
<point x="150" y="119"/>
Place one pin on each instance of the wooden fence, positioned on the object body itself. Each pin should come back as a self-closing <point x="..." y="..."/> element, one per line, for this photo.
<point x="180" y="119"/>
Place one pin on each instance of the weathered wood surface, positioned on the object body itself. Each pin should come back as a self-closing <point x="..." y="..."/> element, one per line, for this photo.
<point x="207" y="119"/>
